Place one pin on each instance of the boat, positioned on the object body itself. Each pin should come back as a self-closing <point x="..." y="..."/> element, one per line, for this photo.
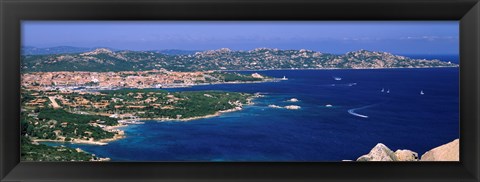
<point x="328" y="105"/>
<point x="284" y="78"/>
<point x="337" y="78"/>
<point x="421" y="92"/>
<point x="383" y="90"/>
<point x="388" y="91"/>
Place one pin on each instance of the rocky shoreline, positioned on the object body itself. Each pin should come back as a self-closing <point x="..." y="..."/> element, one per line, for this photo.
<point x="218" y="113"/>
<point x="446" y="152"/>
<point x="134" y="121"/>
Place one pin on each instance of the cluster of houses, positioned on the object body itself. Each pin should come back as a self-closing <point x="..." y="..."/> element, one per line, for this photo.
<point x="127" y="79"/>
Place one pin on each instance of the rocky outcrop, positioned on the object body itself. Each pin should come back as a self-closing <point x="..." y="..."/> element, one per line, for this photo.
<point x="447" y="152"/>
<point x="101" y="60"/>
<point x="379" y="153"/>
<point x="406" y="155"/>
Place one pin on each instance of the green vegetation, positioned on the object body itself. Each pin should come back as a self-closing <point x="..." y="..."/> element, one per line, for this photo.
<point x="83" y="122"/>
<point x="113" y="93"/>
<point x="224" y="59"/>
<point x="41" y="152"/>
<point x="234" y="77"/>
<point x="58" y="124"/>
<point x="195" y="104"/>
<point x="150" y="103"/>
<point x="64" y="116"/>
<point x="143" y="103"/>
<point x="32" y="127"/>
<point x="26" y="96"/>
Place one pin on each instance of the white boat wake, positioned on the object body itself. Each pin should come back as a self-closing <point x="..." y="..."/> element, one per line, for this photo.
<point x="352" y="111"/>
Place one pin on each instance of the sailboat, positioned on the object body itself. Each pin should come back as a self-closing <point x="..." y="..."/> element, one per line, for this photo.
<point x="383" y="90"/>
<point x="284" y="78"/>
<point x="421" y="92"/>
<point x="388" y="91"/>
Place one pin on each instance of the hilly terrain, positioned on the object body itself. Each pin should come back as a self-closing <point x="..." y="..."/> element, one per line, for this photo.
<point x="102" y="59"/>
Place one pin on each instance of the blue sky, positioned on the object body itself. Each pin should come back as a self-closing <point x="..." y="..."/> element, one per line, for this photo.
<point x="400" y="37"/>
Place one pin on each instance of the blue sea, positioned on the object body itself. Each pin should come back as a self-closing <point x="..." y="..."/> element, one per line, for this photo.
<point x="400" y="119"/>
<point x="361" y="115"/>
<point x="454" y="58"/>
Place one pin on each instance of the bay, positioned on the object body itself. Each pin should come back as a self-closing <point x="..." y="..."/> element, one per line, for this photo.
<point x="400" y="119"/>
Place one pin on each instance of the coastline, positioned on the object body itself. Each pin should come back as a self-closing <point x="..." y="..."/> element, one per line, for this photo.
<point x="363" y="68"/>
<point x="213" y="83"/>
<point x="105" y="141"/>
<point x="238" y="82"/>
<point x="74" y="141"/>
<point x="101" y="142"/>
<point x="226" y="117"/>
<point x="120" y="134"/>
<point x="286" y="69"/>
<point x="80" y="141"/>
<point x="90" y="88"/>
<point x="218" y="113"/>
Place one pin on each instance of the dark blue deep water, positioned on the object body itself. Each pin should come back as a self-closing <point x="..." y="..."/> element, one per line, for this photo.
<point x="401" y="119"/>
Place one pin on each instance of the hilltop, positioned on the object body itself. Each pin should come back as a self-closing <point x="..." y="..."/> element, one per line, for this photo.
<point x="30" y="50"/>
<point x="103" y="59"/>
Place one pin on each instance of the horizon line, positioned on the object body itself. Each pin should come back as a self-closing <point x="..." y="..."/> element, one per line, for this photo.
<point x="199" y="50"/>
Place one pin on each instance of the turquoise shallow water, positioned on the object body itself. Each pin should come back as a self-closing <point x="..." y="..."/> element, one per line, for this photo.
<point x="401" y="119"/>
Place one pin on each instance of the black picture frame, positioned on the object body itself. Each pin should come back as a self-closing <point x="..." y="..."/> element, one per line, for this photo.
<point x="12" y="12"/>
